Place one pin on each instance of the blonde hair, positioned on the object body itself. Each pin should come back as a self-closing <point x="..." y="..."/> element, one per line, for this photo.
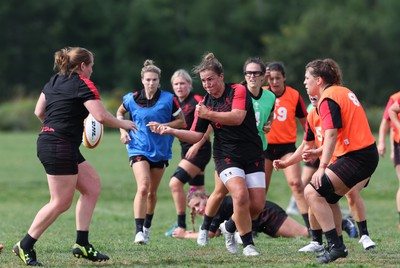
<point x="69" y="59"/>
<point x="184" y="74"/>
<point x="209" y="62"/>
<point x="150" y="67"/>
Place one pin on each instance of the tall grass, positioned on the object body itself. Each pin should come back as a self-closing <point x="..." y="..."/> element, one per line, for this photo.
<point x="23" y="191"/>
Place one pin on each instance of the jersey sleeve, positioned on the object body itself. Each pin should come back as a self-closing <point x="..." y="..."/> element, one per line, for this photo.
<point x="301" y="110"/>
<point x="239" y="98"/>
<point x="87" y="90"/>
<point x="330" y="114"/>
<point x="309" y="134"/>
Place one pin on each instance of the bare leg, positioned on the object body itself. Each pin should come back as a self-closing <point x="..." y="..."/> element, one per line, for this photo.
<point x="89" y="187"/>
<point x="142" y="174"/>
<point x="62" y="189"/>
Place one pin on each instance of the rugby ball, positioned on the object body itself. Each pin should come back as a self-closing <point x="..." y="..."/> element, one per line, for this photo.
<point x="92" y="132"/>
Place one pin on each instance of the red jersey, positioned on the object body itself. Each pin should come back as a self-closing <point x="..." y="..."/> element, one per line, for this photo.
<point x="287" y="107"/>
<point x="395" y="97"/>
<point x="339" y="108"/>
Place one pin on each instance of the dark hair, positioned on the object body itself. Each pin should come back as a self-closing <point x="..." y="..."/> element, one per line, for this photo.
<point x="209" y="62"/>
<point x="255" y="60"/>
<point x="69" y="59"/>
<point x="327" y="69"/>
<point x="277" y="67"/>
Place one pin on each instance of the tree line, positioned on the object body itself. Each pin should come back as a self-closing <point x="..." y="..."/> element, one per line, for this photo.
<point x="361" y="35"/>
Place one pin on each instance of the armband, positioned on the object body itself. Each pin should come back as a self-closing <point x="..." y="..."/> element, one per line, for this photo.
<point x="120" y="116"/>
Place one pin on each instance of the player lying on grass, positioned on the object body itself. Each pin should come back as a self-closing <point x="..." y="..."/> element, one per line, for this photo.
<point x="273" y="220"/>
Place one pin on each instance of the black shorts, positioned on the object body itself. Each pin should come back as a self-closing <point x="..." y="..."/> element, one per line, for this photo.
<point x="396" y="148"/>
<point x="277" y="151"/>
<point x="356" y="166"/>
<point x="271" y="219"/>
<point x="253" y="166"/>
<point x="58" y="156"/>
<point x="202" y="157"/>
<point x="138" y="158"/>
<point x="314" y="164"/>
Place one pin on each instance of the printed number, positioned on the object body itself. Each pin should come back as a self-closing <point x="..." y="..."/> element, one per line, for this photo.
<point x="280" y="114"/>
<point x="257" y="114"/>
<point x="318" y="133"/>
<point x="354" y="99"/>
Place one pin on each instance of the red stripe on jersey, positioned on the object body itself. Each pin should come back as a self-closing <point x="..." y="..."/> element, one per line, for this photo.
<point x="326" y="116"/>
<point x="91" y="86"/>
<point x="196" y="116"/>
<point x="198" y="98"/>
<point x="176" y="105"/>
<point x="239" y="99"/>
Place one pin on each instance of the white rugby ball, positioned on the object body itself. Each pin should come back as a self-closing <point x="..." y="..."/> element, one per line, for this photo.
<point x="92" y="132"/>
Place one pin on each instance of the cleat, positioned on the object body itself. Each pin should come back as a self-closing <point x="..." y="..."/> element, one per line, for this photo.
<point x="332" y="253"/>
<point x="146" y="234"/>
<point x="139" y="238"/>
<point x="314" y="246"/>
<point x="88" y="252"/>
<point x="230" y="241"/>
<point x="28" y="257"/>
<point x="367" y="242"/>
<point x="238" y="238"/>
<point x="169" y="233"/>
<point x="250" y="250"/>
<point x="202" y="238"/>
<point x="349" y="227"/>
<point x="1" y="247"/>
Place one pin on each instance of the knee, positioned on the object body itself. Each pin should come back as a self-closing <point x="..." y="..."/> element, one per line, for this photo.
<point x="61" y="206"/>
<point x="175" y="185"/>
<point x="152" y="196"/>
<point x="143" y="190"/>
<point x="240" y="199"/>
<point x="327" y="190"/>
<point x="95" y="191"/>
<point x="297" y="185"/>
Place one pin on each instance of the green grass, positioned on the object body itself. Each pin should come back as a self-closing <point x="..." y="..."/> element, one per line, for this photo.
<point x="23" y="191"/>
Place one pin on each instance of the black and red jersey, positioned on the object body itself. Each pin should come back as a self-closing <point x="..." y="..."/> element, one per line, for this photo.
<point x="188" y="106"/>
<point x="235" y="142"/>
<point x="65" y="110"/>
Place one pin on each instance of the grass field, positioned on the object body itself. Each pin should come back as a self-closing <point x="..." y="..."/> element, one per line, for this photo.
<point x="23" y="191"/>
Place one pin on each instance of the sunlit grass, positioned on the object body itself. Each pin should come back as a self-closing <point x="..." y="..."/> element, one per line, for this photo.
<point x="23" y="190"/>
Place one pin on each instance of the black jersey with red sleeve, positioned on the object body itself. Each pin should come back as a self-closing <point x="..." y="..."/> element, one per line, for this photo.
<point x="65" y="109"/>
<point x="188" y="106"/>
<point x="236" y="142"/>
